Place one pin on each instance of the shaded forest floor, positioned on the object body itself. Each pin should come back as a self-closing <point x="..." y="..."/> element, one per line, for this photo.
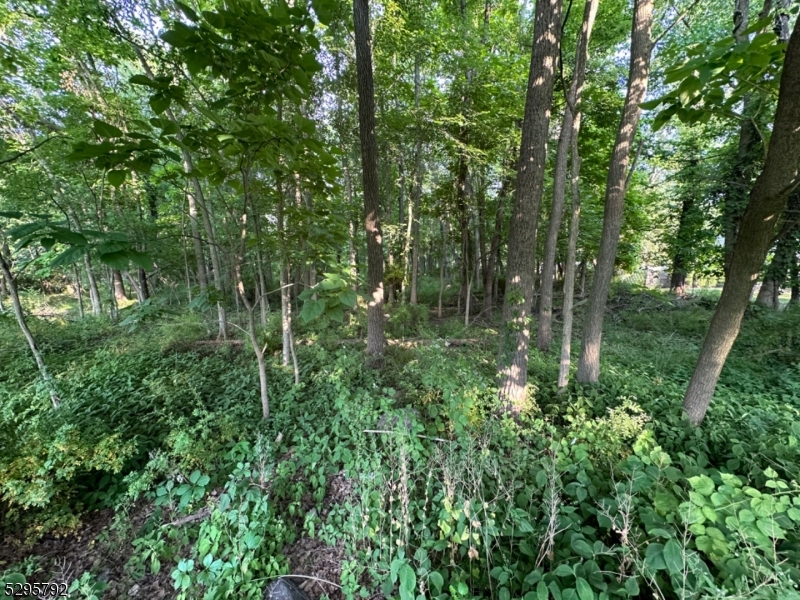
<point x="157" y="477"/>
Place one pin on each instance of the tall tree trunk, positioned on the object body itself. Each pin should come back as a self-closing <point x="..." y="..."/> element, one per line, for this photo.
<point x="506" y="188"/>
<point x="376" y="341"/>
<point x="616" y="186"/>
<point x="286" y="300"/>
<point x="145" y="287"/>
<point x="569" y="270"/>
<point x="442" y="265"/>
<point x="119" y="286"/>
<point x="570" y="127"/>
<point x="417" y="197"/>
<point x="795" y="280"/>
<point x="197" y="243"/>
<point x="94" y="292"/>
<point x="677" y="282"/>
<point x="5" y="268"/>
<point x="135" y="285"/>
<point x="250" y="307"/>
<point x="767" y="202"/>
<point x="78" y="290"/>
<point x="520" y="272"/>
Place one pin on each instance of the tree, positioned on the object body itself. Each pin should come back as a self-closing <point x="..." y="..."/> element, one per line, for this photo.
<point x="11" y="285"/>
<point x="518" y="302"/>
<point x="759" y="222"/>
<point x="616" y="187"/>
<point x="369" y="165"/>
<point x="570" y="128"/>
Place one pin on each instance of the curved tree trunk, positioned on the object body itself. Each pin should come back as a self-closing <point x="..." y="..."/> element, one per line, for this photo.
<point x="5" y="269"/>
<point x="520" y="273"/>
<point x="616" y="186"/>
<point x="767" y="202"/>
<point x="376" y="341"/>
<point x="570" y="128"/>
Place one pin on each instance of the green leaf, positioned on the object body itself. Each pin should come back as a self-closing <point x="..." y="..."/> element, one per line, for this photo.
<point x="673" y="557"/>
<point x="190" y="14"/>
<point x="177" y="38"/>
<point x="651" y="104"/>
<point x="116" y="260"/>
<point x="436" y="580"/>
<point x="541" y="591"/>
<point x="632" y="587"/>
<point x="140" y="259"/>
<point x="11" y="214"/>
<point x="582" y="548"/>
<point x="702" y="484"/>
<point x="68" y="256"/>
<point x="665" y="502"/>
<point x="654" y="557"/>
<point x="159" y="103"/>
<point x="584" y="589"/>
<point x="348" y="298"/>
<point x="117" y="178"/>
<point x="65" y="236"/>
<point x="312" y="309"/>
<point x="106" y="130"/>
<point x="336" y="313"/>
<point x="771" y="529"/>
<point x="408" y="582"/>
<point x="563" y="571"/>
<point x="143" y="80"/>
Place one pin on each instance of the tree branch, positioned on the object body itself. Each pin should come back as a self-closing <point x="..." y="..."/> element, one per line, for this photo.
<point x="28" y="151"/>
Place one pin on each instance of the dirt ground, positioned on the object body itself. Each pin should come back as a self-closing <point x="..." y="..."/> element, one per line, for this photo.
<point x="102" y="548"/>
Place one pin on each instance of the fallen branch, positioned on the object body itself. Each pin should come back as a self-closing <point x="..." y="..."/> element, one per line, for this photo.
<point x="201" y="514"/>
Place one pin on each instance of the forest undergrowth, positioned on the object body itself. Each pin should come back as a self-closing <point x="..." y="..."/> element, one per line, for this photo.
<point x="401" y="482"/>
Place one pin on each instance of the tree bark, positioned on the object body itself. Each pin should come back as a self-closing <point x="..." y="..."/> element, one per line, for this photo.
<point x="616" y="186"/>
<point x="413" y="213"/>
<point x="442" y="265"/>
<point x="569" y="270"/>
<point x="570" y="128"/>
<point x="520" y="272"/>
<point x="759" y="222"/>
<point x="78" y="290"/>
<point x="250" y="307"/>
<point x="677" y="282"/>
<point x="5" y="268"/>
<point x="506" y="188"/>
<point x="94" y="292"/>
<point x="119" y="286"/>
<point x="777" y="272"/>
<point x="376" y="341"/>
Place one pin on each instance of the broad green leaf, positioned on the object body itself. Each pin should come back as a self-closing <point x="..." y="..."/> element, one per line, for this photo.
<point x="117" y="178"/>
<point x="584" y="589"/>
<point x="771" y="529"/>
<point x="673" y="556"/>
<point x="654" y="557"/>
<point x="436" y="581"/>
<point x="106" y="130"/>
<point x="702" y="484"/>
<point x="68" y="256"/>
<point x="408" y="582"/>
<point x="541" y="591"/>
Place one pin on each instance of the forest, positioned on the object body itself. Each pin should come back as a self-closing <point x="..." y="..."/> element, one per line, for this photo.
<point x="400" y="299"/>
